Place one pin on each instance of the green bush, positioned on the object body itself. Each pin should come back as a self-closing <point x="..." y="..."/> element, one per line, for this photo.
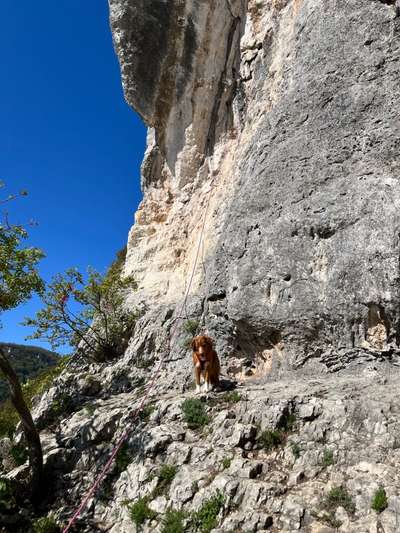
<point x="146" y="412"/>
<point x="46" y="524"/>
<point x="165" y="476"/>
<point x="231" y="397"/>
<point x="270" y="439"/>
<point x="173" y="522"/>
<point x="226" y="462"/>
<point x="379" y="501"/>
<point x="327" y="458"/>
<point x="194" y="413"/>
<point x="205" y="519"/>
<point x="140" y="512"/>
<point x="338" y="497"/>
<point x="191" y="326"/>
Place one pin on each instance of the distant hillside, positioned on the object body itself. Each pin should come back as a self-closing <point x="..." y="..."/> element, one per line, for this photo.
<point x="28" y="361"/>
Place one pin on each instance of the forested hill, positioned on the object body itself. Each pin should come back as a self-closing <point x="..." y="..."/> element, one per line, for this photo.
<point x="28" y="361"/>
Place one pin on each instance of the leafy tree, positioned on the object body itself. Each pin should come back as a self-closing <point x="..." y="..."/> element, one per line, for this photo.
<point x="89" y="315"/>
<point x="19" y="279"/>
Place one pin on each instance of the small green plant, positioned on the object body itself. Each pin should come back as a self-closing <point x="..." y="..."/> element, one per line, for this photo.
<point x="19" y="453"/>
<point x="173" y="521"/>
<point x="338" y="497"/>
<point x="231" y="397"/>
<point x="123" y="459"/>
<point x="165" y="477"/>
<point x="194" y="413"/>
<point x="327" y="458"/>
<point x="144" y="363"/>
<point x="379" y="501"/>
<point x="46" y="524"/>
<point x="146" y="412"/>
<point x="90" y="409"/>
<point x="191" y="326"/>
<point x="270" y="439"/>
<point x="226" y="462"/>
<point x="205" y="519"/>
<point x="330" y="520"/>
<point x="296" y="450"/>
<point x="140" y="512"/>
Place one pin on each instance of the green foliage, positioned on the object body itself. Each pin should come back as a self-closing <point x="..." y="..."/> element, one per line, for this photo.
<point x="226" y="462"/>
<point x="296" y="450"/>
<point x="270" y="439"/>
<point x="379" y="501"/>
<point x="330" y="520"/>
<point x="165" y="476"/>
<point x="46" y="524"/>
<point x="173" y="521"/>
<point x="146" y="412"/>
<point x="327" y="458"/>
<point x="19" y="277"/>
<point x="194" y="413"/>
<point x="33" y="387"/>
<point x="140" y="512"/>
<point x="19" y="453"/>
<point x="338" y="497"/>
<point x="191" y="326"/>
<point x="205" y="519"/>
<point x="123" y="458"/>
<point x="231" y="397"/>
<point x="100" y="323"/>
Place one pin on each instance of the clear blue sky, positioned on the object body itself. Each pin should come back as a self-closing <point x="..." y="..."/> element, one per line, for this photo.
<point x="66" y="135"/>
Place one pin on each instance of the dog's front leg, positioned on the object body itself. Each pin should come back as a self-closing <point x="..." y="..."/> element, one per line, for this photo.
<point x="207" y="384"/>
<point x="197" y="373"/>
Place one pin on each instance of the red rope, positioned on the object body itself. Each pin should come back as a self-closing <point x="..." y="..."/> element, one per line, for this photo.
<point x="150" y="386"/>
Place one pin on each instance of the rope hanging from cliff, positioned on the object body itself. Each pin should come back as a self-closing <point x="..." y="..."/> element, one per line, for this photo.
<point x="97" y="482"/>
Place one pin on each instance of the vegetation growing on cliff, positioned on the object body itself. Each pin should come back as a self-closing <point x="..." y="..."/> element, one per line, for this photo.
<point x="89" y="315"/>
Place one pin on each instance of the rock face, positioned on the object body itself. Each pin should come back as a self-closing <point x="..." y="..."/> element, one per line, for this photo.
<point x="284" y="117"/>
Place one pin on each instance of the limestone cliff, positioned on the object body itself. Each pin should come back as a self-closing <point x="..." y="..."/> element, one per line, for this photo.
<point x="285" y="113"/>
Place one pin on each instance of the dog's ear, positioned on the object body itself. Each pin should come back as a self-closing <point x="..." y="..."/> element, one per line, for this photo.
<point x="193" y="344"/>
<point x="209" y="341"/>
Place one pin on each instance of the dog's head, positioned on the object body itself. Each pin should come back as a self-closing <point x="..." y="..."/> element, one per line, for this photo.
<point x="202" y="345"/>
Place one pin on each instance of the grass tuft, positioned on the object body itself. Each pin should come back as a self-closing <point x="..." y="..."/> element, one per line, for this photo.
<point x="205" y="519"/>
<point x="194" y="413"/>
<point x="379" y="501"/>
<point x="173" y="521"/>
<point x="140" y="511"/>
<point x="338" y="497"/>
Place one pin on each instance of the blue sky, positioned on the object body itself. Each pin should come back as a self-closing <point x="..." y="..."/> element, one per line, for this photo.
<point x="67" y="136"/>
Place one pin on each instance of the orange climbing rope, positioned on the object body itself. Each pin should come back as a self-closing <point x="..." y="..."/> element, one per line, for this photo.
<point x="92" y="490"/>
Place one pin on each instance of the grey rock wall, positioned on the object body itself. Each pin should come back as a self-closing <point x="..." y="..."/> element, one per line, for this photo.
<point x="289" y="112"/>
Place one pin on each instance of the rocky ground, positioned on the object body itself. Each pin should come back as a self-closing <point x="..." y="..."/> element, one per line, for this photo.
<point x="293" y="454"/>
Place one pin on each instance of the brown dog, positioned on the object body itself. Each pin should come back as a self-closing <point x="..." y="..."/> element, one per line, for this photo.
<point x="206" y="363"/>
